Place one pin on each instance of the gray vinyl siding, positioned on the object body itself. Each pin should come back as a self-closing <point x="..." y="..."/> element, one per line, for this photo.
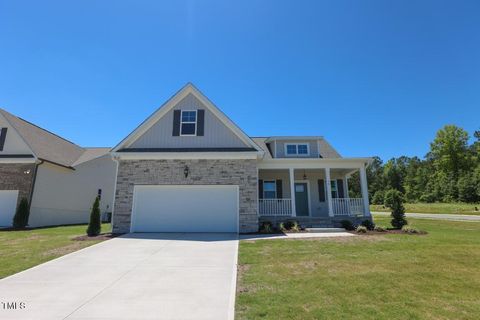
<point x="313" y="147"/>
<point x="216" y="134"/>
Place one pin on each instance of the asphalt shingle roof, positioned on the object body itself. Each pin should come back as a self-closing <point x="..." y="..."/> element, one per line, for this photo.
<point x="49" y="146"/>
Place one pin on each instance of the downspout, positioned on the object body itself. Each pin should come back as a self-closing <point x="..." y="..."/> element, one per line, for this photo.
<point x="33" y="183"/>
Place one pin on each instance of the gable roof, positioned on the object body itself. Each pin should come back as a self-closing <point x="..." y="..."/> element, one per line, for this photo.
<point x="189" y="88"/>
<point x="48" y="146"/>
<point x="326" y="149"/>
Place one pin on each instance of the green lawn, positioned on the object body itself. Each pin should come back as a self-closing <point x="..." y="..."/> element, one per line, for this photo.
<point x="452" y="208"/>
<point x="434" y="276"/>
<point x="20" y="250"/>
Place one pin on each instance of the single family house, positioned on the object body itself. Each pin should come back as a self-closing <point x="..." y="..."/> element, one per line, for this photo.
<point x="189" y="168"/>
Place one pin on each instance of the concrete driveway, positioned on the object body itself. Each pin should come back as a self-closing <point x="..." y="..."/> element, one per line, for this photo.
<point x="136" y="276"/>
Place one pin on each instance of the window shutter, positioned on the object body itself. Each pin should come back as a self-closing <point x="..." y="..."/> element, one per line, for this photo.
<point x="200" y="122"/>
<point x="341" y="193"/>
<point x="3" y="135"/>
<point x="260" y="189"/>
<point x="279" y="189"/>
<point x="176" y="123"/>
<point x="321" y="190"/>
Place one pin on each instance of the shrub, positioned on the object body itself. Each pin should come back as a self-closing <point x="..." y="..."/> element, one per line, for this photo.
<point x="281" y="226"/>
<point x="378" y="197"/>
<point x="347" y="225"/>
<point x="394" y="201"/>
<point x="368" y="224"/>
<point x="95" y="226"/>
<point x="20" y="220"/>
<point x="361" y="229"/>
<point x="290" y="225"/>
<point x="266" y="227"/>
<point x="380" y="229"/>
<point x="410" y="230"/>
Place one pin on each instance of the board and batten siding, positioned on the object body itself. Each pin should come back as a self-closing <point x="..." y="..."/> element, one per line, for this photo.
<point x="13" y="143"/>
<point x="216" y="134"/>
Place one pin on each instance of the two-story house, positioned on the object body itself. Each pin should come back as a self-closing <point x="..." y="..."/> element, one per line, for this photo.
<point x="189" y="168"/>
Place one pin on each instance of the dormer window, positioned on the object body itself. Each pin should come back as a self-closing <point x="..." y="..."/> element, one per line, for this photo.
<point x="297" y="149"/>
<point x="188" y="123"/>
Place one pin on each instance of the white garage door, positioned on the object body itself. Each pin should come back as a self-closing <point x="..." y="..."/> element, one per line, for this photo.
<point x="201" y="208"/>
<point x="8" y="204"/>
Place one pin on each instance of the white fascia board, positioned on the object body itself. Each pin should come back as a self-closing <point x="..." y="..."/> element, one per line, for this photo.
<point x="183" y="155"/>
<point x="313" y="163"/>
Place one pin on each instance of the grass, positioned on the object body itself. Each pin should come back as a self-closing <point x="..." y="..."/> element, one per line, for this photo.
<point x="434" y="276"/>
<point x="450" y="208"/>
<point x="20" y="250"/>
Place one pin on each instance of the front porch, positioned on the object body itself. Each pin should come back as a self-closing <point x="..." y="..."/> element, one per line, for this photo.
<point x="315" y="203"/>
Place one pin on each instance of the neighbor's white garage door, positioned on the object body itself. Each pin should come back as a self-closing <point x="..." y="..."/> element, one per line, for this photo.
<point x="8" y="204"/>
<point x="201" y="208"/>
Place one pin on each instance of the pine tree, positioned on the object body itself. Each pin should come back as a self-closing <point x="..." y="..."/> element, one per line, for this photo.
<point x="95" y="226"/>
<point x="20" y="220"/>
<point x="394" y="201"/>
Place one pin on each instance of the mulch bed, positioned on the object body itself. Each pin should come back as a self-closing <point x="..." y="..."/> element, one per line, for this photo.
<point x="102" y="237"/>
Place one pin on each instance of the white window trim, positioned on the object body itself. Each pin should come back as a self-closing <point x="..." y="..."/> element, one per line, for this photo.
<point x="296" y="145"/>
<point x="336" y="188"/>
<point x="274" y="183"/>
<point x="190" y="122"/>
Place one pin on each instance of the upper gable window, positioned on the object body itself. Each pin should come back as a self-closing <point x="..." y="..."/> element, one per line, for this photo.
<point x="297" y="149"/>
<point x="188" y="123"/>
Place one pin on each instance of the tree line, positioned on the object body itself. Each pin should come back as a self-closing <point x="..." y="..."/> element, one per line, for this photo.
<point x="450" y="171"/>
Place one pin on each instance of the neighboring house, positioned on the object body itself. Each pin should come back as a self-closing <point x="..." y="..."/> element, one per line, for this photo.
<point x="189" y="168"/>
<point x="59" y="178"/>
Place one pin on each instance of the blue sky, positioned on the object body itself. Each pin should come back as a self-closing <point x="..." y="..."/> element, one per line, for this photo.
<point x="373" y="77"/>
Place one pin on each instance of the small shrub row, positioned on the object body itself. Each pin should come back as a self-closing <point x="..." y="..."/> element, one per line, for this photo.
<point x="290" y="225"/>
<point x="349" y="226"/>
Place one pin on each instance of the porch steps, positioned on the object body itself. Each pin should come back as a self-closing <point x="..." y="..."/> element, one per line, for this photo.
<point x="324" y="230"/>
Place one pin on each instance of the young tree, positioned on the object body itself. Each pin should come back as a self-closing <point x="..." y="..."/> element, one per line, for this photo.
<point x="95" y="226"/>
<point x="20" y="220"/>
<point x="394" y="201"/>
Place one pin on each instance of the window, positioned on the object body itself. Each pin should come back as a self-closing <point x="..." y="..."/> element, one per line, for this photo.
<point x="188" y="123"/>
<point x="294" y="149"/>
<point x="333" y="183"/>
<point x="269" y="189"/>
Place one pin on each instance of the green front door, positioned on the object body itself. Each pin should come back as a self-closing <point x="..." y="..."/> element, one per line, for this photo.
<point x="301" y="198"/>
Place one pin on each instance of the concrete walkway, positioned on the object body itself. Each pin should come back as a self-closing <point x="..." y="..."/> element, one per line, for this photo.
<point x="436" y="216"/>
<point x="139" y="276"/>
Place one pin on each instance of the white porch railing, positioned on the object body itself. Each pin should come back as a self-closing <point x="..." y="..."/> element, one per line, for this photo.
<point x="347" y="206"/>
<point x="275" y="207"/>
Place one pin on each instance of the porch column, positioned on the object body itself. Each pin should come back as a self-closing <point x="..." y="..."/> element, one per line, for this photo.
<point x="328" y="182"/>
<point x="345" y="187"/>
<point x="364" y="187"/>
<point x="292" y="191"/>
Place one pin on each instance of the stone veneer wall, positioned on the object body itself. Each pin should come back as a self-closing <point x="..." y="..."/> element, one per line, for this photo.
<point x="202" y="172"/>
<point x="12" y="177"/>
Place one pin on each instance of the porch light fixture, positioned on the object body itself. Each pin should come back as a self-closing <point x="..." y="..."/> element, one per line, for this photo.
<point x="186" y="171"/>
<point x="304" y="175"/>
